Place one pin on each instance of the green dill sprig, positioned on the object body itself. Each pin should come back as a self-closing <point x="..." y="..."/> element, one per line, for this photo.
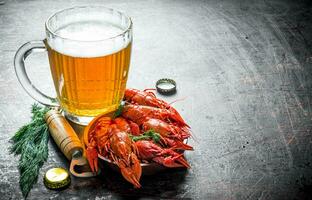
<point x="31" y="143"/>
<point x="119" y="110"/>
<point x="150" y="134"/>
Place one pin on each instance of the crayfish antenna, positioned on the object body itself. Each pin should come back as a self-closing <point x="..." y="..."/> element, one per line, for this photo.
<point x="181" y="99"/>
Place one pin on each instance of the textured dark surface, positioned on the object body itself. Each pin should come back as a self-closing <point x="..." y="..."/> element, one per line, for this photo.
<point x="245" y="69"/>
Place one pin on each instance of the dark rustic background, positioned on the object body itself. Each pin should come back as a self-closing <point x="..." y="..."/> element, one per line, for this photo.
<point x="244" y="69"/>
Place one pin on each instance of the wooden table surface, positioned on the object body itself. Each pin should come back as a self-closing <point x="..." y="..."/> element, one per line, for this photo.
<point x="244" y="72"/>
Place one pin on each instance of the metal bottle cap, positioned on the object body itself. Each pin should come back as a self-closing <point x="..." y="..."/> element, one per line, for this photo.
<point x="166" y="86"/>
<point x="56" y="178"/>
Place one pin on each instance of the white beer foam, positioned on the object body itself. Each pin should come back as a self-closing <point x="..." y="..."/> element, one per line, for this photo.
<point x="88" y="39"/>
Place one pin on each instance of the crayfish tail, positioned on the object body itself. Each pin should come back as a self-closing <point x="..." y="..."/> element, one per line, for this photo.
<point x="92" y="157"/>
<point x="136" y="166"/>
<point x="131" y="170"/>
<point x="130" y="176"/>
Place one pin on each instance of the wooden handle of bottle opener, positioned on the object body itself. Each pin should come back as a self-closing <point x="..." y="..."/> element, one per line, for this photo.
<point x="62" y="133"/>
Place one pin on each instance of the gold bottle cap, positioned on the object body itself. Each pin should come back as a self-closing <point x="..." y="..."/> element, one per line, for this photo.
<point x="56" y="178"/>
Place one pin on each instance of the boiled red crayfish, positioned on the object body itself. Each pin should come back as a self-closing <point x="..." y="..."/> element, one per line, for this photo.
<point x="154" y="114"/>
<point x="148" y="98"/>
<point x="139" y="114"/>
<point x="122" y="153"/>
<point x="148" y="150"/>
<point x="155" y="119"/>
<point x="107" y="139"/>
<point x="157" y="128"/>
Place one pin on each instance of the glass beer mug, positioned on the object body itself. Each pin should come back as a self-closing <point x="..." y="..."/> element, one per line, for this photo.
<point x="89" y="54"/>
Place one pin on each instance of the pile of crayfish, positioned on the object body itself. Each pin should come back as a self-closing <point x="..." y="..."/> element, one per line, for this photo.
<point x="147" y="130"/>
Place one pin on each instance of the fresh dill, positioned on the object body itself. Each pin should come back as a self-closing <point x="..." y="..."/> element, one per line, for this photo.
<point x="118" y="112"/>
<point x="30" y="142"/>
<point x="150" y="134"/>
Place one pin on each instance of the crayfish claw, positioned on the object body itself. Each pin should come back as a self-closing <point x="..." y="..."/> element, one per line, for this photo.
<point x="175" y="144"/>
<point x="182" y="146"/>
<point x="183" y="162"/>
<point x="173" y="159"/>
<point x="177" y="117"/>
<point x="177" y="161"/>
<point x="135" y="129"/>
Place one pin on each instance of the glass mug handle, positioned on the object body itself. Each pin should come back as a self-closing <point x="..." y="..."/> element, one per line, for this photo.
<point x="19" y="64"/>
